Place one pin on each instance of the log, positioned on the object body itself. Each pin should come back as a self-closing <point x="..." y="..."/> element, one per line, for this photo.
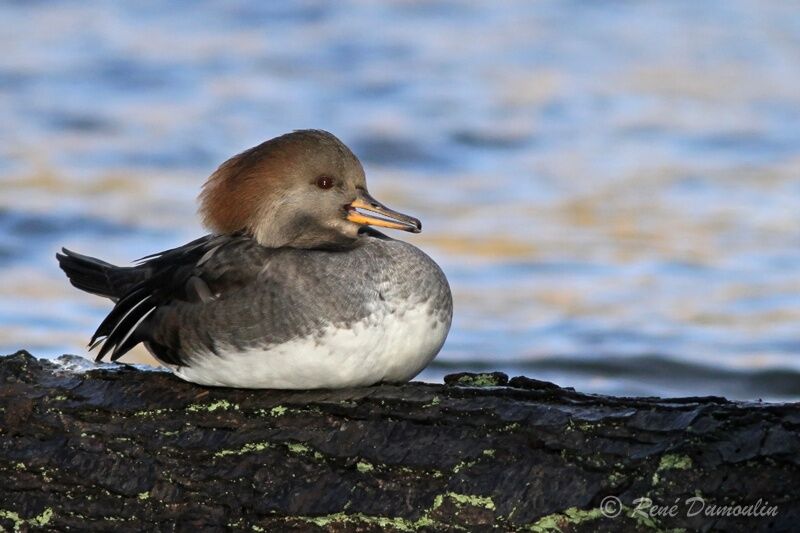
<point x="118" y="448"/>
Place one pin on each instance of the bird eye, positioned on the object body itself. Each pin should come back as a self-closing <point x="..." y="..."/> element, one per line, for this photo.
<point x="324" y="182"/>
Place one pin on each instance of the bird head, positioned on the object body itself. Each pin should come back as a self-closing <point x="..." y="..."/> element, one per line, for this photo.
<point x="305" y="189"/>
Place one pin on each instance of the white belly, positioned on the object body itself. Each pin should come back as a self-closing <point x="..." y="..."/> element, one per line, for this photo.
<point x="382" y="347"/>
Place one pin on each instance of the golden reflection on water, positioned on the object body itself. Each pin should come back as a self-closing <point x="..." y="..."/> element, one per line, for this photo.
<point x="617" y="225"/>
<point x="595" y="182"/>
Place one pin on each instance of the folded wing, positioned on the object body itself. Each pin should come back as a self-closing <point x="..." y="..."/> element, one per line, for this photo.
<point x="195" y="272"/>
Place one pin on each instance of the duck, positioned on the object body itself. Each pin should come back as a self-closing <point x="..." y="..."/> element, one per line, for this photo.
<point x="292" y="288"/>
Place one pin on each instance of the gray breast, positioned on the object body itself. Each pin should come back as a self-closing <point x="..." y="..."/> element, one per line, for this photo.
<point x="298" y="292"/>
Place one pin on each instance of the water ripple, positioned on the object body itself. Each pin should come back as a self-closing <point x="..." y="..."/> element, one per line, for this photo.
<point x="607" y="180"/>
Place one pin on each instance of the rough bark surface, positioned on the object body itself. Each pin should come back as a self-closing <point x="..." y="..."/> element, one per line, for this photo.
<point x="129" y="450"/>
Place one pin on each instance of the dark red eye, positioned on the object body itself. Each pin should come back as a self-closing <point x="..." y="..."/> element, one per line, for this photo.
<point x="324" y="182"/>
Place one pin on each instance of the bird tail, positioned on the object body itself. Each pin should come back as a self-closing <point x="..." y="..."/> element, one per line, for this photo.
<point x="93" y="275"/>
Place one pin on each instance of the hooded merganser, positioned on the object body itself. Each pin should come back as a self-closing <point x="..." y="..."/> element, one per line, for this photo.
<point x="293" y="289"/>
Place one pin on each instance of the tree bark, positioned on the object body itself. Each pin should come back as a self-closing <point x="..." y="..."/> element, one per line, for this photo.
<point x="116" y="448"/>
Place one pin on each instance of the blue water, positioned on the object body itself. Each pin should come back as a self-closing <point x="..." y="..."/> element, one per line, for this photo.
<point x="613" y="189"/>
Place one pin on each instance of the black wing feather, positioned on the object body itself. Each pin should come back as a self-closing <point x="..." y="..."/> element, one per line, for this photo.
<point x="124" y="328"/>
<point x="193" y="273"/>
<point x="176" y="274"/>
<point x="118" y="313"/>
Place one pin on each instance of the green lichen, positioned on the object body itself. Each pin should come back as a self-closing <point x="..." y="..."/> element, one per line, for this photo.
<point x="557" y="521"/>
<point x="462" y="465"/>
<point x="464" y="499"/>
<point x="671" y="461"/>
<point x="417" y="472"/>
<point x="296" y="447"/>
<point x="574" y="516"/>
<point x="434" y="402"/>
<point x="489" y="452"/>
<point x="12" y="517"/>
<point x="211" y="407"/>
<point x="594" y="461"/>
<point x="382" y="522"/>
<point x="364" y="467"/>
<point x="278" y="410"/>
<point x="402" y="524"/>
<point x="301" y="449"/>
<point x="644" y="520"/>
<point x="478" y="380"/>
<point x="40" y="520"/>
<point x="152" y="412"/>
<point x="20" y="466"/>
<point x="306" y="411"/>
<point x="250" y="447"/>
<point x="581" y="426"/>
<point x="144" y="495"/>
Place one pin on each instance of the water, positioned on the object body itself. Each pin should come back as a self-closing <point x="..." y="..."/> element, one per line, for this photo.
<point x="612" y="188"/>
